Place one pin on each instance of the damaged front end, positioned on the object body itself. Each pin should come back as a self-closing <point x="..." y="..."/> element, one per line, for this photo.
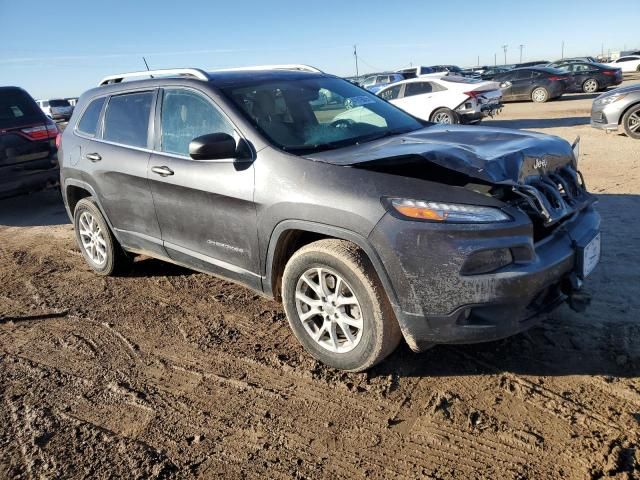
<point x="464" y="282"/>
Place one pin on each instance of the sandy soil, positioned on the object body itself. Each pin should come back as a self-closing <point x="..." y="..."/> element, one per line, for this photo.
<point x="166" y="373"/>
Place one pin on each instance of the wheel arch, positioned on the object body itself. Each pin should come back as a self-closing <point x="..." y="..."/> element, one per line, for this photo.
<point x="75" y="190"/>
<point x="433" y="112"/>
<point x="291" y="235"/>
<point x="629" y="107"/>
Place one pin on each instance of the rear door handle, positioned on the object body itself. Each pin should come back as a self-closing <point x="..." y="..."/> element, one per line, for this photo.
<point x="162" y="171"/>
<point x="94" y="157"/>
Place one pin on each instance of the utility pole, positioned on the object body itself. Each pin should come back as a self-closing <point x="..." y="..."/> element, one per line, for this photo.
<point x="562" y="57"/>
<point x="495" y="59"/>
<point x="478" y="64"/>
<point x="521" y="48"/>
<point x="504" y="47"/>
<point x="355" y="55"/>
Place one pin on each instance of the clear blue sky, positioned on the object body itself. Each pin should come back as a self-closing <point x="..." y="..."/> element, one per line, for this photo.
<point x="59" y="48"/>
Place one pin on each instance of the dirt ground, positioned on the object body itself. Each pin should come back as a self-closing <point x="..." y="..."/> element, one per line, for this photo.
<point x="166" y="373"/>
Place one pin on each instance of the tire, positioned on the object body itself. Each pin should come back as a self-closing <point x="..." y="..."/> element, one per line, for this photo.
<point x="445" y="116"/>
<point x="106" y="257"/>
<point x="540" y="95"/>
<point x="358" y="284"/>
<point x="590" y="85"/>
<point x="631" y="122"/>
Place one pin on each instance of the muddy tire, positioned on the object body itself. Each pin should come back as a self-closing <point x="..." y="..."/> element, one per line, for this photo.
<point x="99" y="247"/>
<point x="540" y="95"/>
<point x="337" y="307"/>
<point x="445" y="116"/>
<point x="631" y="122"/>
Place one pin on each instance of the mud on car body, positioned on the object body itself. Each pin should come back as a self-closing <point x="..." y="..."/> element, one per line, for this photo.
<point x="369" y="224"/>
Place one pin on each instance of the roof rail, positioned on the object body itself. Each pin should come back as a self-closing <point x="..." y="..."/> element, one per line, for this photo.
<point x="291" y="66"/>
<point x="187" y="72"/>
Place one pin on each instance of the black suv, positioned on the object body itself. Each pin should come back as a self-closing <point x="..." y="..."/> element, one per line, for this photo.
<point x="28" y="152"/>
<point x="369" y="224"/>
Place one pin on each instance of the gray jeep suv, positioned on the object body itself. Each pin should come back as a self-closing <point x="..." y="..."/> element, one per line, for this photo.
<point x="368" y="224"/>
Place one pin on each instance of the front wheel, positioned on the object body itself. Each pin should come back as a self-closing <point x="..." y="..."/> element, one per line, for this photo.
<point x="631" y="122"/>
<point x="540" y="95"/>
<point x="590" y="86"/>
<point x="445" y="116"/>
<point x="336" y="306"/>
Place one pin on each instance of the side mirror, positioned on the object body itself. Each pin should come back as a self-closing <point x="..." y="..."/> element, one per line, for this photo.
<point x="505" y="84"/>
<point x="213" y="146"/>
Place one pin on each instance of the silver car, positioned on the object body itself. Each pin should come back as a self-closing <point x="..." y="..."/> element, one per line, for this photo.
<point x="618" y="108"/>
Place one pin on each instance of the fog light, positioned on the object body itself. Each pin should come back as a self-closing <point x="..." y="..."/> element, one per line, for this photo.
<point x="486" y="261"/>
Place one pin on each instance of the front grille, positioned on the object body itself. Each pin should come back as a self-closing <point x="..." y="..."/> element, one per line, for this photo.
<point x="554" y="195"/>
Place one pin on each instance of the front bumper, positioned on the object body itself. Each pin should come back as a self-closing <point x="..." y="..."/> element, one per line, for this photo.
<point x="436" y="304"/>
<point x="606" y="118"/>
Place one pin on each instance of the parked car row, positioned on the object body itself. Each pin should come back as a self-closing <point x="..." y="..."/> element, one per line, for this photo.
<point x="56" y="109"/>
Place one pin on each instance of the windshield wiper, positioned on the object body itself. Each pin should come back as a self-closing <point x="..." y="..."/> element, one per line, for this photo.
<point x="346" y="142"/>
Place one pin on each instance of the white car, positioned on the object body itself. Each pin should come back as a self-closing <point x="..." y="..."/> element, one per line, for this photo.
<point x="57" y="109"/>
<point x="448" y="99"/>
<point x="630" y="63"/>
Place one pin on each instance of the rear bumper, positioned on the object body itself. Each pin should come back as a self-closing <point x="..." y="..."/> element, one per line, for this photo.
<point x="27" y="181"/>
<point x="437" y="304"/>
<point x="485" y="111"/>
<point x="61" y="116"/>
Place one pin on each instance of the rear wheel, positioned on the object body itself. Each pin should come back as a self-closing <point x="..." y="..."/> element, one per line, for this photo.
<point x="631" y="122"/>
<point x="590" y="85"/>
<point x="540" y="95"/>
<point x="337" y="307"/>
<point x="99" y="247"/>
<point x="445" y="116"/>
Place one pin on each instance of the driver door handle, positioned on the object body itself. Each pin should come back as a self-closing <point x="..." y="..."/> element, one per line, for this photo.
<point x="162" y="171"/>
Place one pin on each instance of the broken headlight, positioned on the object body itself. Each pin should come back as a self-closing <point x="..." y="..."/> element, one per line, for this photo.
<point x="447" y="212"/>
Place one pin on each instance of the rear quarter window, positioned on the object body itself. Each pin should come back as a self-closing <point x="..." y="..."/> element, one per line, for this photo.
<point x="88" y="124"/>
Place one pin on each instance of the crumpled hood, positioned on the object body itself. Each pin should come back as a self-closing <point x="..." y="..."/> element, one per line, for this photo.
<point x="494" y="155"/>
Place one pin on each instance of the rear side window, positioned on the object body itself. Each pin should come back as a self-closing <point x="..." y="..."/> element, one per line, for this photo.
<point x="187" y="115"/>
<point x="522" y="75"/>
<point x="17" y="107"/>
<point x="417" y="88"/>
<point x="89" y="122"/>
<point x="126" y="119"/>
<point x="391" y="93"/>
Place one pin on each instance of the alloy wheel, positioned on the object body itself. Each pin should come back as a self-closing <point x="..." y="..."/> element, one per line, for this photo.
<point x="443" y="118"/>
<point x="539" y="95"/>
<point x="329" y="310"/>
<point x="92" y="238"/>
<point x="590" y="86"/>
<point x="633" y="123"/>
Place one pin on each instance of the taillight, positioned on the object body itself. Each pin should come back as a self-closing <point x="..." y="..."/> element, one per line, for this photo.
<point x="41" y="132"/>
<point x="611" y="73"/>
<point x="475" y="93"/>
<point x="58" y="140"/>
<point x="554" y="78"/>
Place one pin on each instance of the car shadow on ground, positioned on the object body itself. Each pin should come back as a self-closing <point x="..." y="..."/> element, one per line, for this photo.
<point x="579" y="96"/>
<point x="43" y="208"/>
<point x="539" y="122"/>
<point x="152" y="267"/>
